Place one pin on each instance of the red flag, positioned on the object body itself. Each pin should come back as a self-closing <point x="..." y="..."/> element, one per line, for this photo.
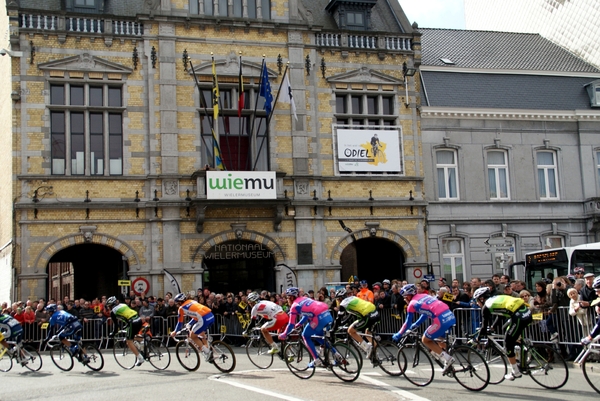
<point x="240" y="91"/>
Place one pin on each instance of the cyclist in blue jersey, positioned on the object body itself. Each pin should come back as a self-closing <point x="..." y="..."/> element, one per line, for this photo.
<point x="67" y="326"/>
<point x="11" y="330"/>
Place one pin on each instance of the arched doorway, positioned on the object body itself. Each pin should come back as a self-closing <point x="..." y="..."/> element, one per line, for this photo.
<point x="237" y="265"/>
<point x="85" y="271"/>
<point x="372" y="259"/>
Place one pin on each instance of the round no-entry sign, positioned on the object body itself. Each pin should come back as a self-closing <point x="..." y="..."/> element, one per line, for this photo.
<point x="140" y="285"/>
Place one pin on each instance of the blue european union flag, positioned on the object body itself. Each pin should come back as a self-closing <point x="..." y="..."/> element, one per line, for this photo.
<point x="265" y="89"/>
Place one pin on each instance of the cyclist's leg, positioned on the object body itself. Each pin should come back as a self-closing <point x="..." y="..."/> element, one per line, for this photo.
<point x="519" y="321"/>
<point x="197" y="333"/>
<point x="206" y="321"/>
<point x="359" y="323"/>
<point x="438" y="329"/>
<point x="133" y="327"/>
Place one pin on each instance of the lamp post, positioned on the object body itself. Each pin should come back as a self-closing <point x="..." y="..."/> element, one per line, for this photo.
<point x="407" y="72"/>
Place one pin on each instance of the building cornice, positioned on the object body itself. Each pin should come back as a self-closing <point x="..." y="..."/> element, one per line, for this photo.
<point x="509" y="114"/>
<point x="432" y="68"/>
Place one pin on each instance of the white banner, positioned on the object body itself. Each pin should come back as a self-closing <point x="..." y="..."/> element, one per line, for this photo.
<point x="241" y="185"/>
<point x="369" y="150"/>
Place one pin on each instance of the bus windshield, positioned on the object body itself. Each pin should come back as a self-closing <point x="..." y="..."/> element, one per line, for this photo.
<point x="557" y="262"/>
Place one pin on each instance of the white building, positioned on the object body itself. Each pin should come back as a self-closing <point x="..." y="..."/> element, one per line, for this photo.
<point x="573" y="25"/>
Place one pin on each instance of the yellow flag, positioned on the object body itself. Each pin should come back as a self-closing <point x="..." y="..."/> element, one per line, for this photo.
<point x="215" y="92"/>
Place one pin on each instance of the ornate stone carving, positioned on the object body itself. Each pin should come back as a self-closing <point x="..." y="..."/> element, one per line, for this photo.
<point x="170" y="187"/>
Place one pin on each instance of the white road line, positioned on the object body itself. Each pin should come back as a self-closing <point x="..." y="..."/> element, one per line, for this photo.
<point x="406" y="394"/>
<point x="255" y="389"/>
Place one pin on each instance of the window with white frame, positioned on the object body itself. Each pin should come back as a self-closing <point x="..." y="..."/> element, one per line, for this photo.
<point x="547" y="170"/>
<point x="86" y="128"/>
<point x="453" y="256"/>
<point x="354" y="108"/>
<point x="447" y="174"/>
<point x="497" y="163"/>
<point x="598" y="167"/>
<point x="553" y="241"/>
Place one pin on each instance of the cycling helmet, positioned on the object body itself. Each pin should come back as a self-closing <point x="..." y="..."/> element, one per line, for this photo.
<point x="341" y="293"/>
<point x="292" y="292"/>
<point x="51" y="308"/>
<point x="253" y="297"/>
<point x="179" y="297"/>
<point x="596" y="283"/>
<point x="482" y="292"/>
<point x="408" y="289"/>
<point x="579" y="269"/>
<point x="110" y="302"/>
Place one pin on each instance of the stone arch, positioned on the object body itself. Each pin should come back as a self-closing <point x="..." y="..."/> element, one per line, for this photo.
<point x="228" y="235"/>
<point x="86" y="238"/>
<point x="336" y="252"/>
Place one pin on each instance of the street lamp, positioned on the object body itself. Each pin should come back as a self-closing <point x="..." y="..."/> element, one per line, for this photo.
<point x="407" y="72"/>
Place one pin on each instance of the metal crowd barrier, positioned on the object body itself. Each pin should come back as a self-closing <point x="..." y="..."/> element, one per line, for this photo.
<point x="569" y="328"/>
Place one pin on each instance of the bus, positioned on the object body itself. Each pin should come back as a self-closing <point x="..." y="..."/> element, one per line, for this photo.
<point x="561" y="262"/>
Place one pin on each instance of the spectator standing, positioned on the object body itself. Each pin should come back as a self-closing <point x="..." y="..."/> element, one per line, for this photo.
<point x="86" y="313"/>
<point x="364" y="293"/>
<point x="146" y="312"/>
<point x="588" y="294"/>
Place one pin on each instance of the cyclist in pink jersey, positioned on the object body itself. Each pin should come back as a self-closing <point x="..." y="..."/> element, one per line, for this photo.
<point x="315" y="313"/>
<point x="428" y="307"/>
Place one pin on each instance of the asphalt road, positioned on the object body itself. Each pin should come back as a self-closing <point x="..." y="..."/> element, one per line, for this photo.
<point x="248" y="383"/>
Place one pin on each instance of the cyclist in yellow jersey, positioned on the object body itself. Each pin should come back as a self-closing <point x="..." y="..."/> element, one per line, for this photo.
<point x="507" y="306"/>
<point x="123" y="313"/>
<point x="365" y="312"/>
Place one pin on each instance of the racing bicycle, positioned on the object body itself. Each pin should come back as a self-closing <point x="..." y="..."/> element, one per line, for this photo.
<point x="220" y="354"/>
<point x="61" y="355"/>
<point x="150" y="348"/>
<point x="26" y="355"/>
<point x="258" y="349"/>
<point x="589" y="360"/>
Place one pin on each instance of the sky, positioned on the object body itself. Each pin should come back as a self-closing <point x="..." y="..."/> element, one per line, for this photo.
<point x="435" y="13"/>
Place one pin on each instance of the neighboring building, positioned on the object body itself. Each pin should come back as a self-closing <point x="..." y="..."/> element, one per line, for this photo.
<point x="6" y="161"/>
<point x="112" y="146"/>
<point x="573" y="25"/>
<point x="511" y="152"/>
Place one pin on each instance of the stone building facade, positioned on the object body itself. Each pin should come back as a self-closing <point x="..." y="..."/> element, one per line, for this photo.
<point x="112" y="144"/>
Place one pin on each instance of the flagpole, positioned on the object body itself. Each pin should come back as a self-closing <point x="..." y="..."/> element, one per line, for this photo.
<point x="270" y="116"/>
<point x="240" y="107"/>
<point x="215" y="127"/>
<point x="203" y="105"/>
<point x="254" y="114"/>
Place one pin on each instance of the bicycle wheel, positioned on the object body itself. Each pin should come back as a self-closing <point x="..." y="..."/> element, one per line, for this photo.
<point x="257" y="350"/>
<point x="33" y="357"/>
<point x="5" y="360"/>
<point x="497" y="363"/>
<point x="187" y="355"/>
<point x="61" y="357"/>
<point x="297" y="358"/>
<point x="470" y="369"/>
<point x="222" y="356"/>
<point x="95" y="358"/>
<point x="591" y="372"/>
<point x="158" y="355"/>
<point x="546" y="366"/>
<point x="415" y="364"/>
<point x="344" y="362"/>
<point x="385" y="355"/>
<point x="123" y="355"/>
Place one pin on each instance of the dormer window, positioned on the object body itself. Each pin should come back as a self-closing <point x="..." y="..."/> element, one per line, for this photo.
<point x="593" y="90"/>
<point x="85" y="6"/>
<point x="352" y="14"/>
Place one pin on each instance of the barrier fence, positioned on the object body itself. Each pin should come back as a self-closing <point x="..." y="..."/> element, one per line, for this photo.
<point x="570" y="329"/>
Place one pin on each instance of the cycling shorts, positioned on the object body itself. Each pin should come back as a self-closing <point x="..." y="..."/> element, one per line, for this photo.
<point x="367" y="322"/>
<point x="133" y="328"/>
<point x="441" y="324"/>
<point x="14" y="333"/>
<point x="203" y="323"/>
<point x="71" y="330"/>
<point x="280" y="321"/>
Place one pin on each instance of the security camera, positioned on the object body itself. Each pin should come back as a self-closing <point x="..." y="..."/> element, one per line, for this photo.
<point x="2" y="52"/>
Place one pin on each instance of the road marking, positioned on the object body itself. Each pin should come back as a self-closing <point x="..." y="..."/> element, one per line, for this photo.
<point x="406" y="394"/>
<point x="255" y="389"/>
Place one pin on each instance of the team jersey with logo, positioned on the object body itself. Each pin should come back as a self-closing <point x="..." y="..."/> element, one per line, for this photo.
<point x="266" y="310"/>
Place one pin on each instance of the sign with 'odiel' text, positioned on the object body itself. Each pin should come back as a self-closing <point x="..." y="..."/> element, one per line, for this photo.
<point x="234" y="185"/>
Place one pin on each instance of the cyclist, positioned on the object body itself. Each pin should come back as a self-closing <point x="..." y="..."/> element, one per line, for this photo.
<point x="11" y="330"/>
<point x="375" y="144"/>
<point x="504" y="305"/>
<point x="429" y="307"/>
<point x="123" y="313"/>
<point x="276" y="319"/>
<point x="201" y="319"/>
<point x="67" y="326"/>
<point x="596" y="330"/>
<point x="315" y="313"/>
<point x="366" y="314"/>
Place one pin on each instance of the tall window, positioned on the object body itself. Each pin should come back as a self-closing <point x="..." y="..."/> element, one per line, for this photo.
<point x="453" y="256"/>
<point x="598" y="166"/>
<point x="447" y="174"/>
<point x="547" y="175"/>
<point x="498" y="174"/>
<point x="365" y="109"/>
<point x="553" y="241"/>
<point x="86" y="126"/>
<point x="243" y="141"/>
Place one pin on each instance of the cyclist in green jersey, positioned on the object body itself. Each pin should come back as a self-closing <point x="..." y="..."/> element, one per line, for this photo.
<point x="123" y="313"/>
<point x="507" y="306"/>
<point x="366" y="315"/>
